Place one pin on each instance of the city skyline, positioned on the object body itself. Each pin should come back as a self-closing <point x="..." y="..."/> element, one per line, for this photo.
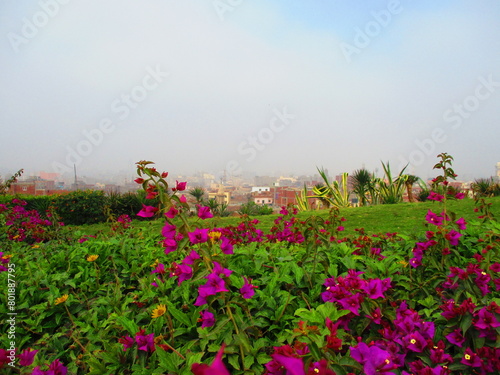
<point x="249" y="88"/>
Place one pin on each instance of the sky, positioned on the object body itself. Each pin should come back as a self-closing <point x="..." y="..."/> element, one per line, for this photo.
<point x="263" y="87"/>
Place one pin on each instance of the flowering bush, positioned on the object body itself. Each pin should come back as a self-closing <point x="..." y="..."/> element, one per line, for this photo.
<point x="303" y="298"/>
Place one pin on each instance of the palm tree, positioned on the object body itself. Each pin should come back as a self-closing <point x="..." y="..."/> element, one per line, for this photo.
<point x="197" y="193"/>
<point x="337" y="195"/>
<point x="410" y="181"/>
<point x="362" y="180"/>
<point x="391" y="189"/>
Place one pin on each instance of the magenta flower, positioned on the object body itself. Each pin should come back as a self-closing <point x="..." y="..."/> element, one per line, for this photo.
<point x="189" y="259"/>
<point x="320" y="368"/>
<point x="373" y="359"/>
<point x="183" y="199"/>
<point x="247" y="290"/>
<point x="147" y="211"/>
<point x="204" y="212"/>
<point x="219" y="270"/>
<point x="456" y="338"/>
<point x="179" y="186"/>
<point x="294" y="366"/>
<point x="215" y="284"/>
<point x="462" y="225"/>
<point x="170" y="245"/>
<point x="226" y="246"/>
<point x="486" y="320"/>
<point x="415" y="342"/>
<point x="168" y="230"/>
<point x="198" y="236"/>
<point x="216" y="368"/>
<point x="184" y="272"/>
<point x="374" y="288"/>
<point x="145" y="342"/>
<point x="435" y="197"/>
<point x="375" y="316"/>
<point x="471" y="359"/>
<point x="172" y="212"/>
<point x="127" y="342"/>
<point x="453" y="237"/>
<point x="433" y="218"/>
<point x="352" y="303"/>
<point x="27" y="356"/>
<point x="459" y="195"/>
<point x="207" y="319"/>
<point x="56" y="368"/>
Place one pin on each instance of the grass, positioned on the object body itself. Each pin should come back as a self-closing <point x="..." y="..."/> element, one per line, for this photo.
<point x="404" y="218"/>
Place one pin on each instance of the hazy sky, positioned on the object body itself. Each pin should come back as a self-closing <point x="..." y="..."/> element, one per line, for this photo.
<point x="260" y="86"/>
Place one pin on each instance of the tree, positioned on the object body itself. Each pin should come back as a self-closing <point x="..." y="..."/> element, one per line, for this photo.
<point x="362" y="185"/>
<point x="409" y="182"/>
<point x="4" y="186"/>
<point x="197" y="193"/>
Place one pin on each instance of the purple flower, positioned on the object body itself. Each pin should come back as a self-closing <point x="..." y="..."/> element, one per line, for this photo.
<point x="204" y="212"/>
<point x="374" y="288"/>
<point x="226" y="246"/>
<point x="184" y="272"/>
<point x="435" y="197"/>
<point x="57" y="368"/>
<point x="471" y="359"/>
<point x="486" y="320"/>
<point x="207" y="319"/>
<point x="189" y="259"/>
<point x="373" y="359"/>
<point x="433" y="218"/>
<point x="145" y="342"/>
<point x="453" y="237"/>
<point x="352" y="303"/>
<point x="170" y="245"/>
<point x="198" y="236"/>
<point x="27" y="356"/>
<point x="294" y="366"/>
<point x="127" y="342"/>
<point x="168" y="230"/>
<point x="219" y="270"/>
<point x="462" y="225"/>
<point x="415" y="342"/>
<point x="456" y="338"/>
<point x="172" y="212"/>
<point x="147" y="211"/>
<point x="247" y="290"/>
<point x="216" y="368"/>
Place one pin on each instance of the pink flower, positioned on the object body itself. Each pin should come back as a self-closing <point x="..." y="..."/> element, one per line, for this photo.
<point x="433" y="218"/>
<point x="147" y="211"/>
<point x="461" y="223"/>
<point x="294" y="366"/>
<point x="145" y="342"/>
<point x="204" y="212"/>
<point x="435" y="197"/>
<point x="179" y="186"/>
<point x="460" y="196"/>
<point x="183" y="199"/>
<point x="207" y="319"/>
<point x="127" y="342"/>
<point x="172" y="212"/>
<point x="27" y="356"/>
<point x="216" y="368"/>
<point x="456" y="338"/>
<point x="453" y="237"/>
<point x="226" y="246"/>
<point x="247" y="290"/>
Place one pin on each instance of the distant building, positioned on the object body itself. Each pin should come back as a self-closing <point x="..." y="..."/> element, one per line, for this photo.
<point x="498" y="172"/>
<point x="258" y="189"/>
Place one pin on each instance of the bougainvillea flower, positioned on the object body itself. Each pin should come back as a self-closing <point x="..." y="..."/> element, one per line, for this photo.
<point x="204" y="212"/>
<point x="352" y="303"/>
<point x="27" y="356"/>
<point x="189" y="259"/>
<point x="456" y="338"/>
<point x="247" y="290"/>
<point x="415" y="342"/>
<point x="462" y="224"/>
<point x="160" y="268"/>
<point x="57" y="368"/>
<point x="226" y="246"/>
<point x="172" y="212"/>
<point x="374" y="288"/>
<point x="170" y="245"/>
<point x="433" y="196"/>
<point x="183" y="271"/>
<point x="127" y="342"/>
<point x="320" y="368"/>
<point x="199" y="235"/>
<point x="168" y="230"/>
<point x="471" y="359"/>
<point x="179" y="186"/>
<point x="373" y="359"/>
<point x="145" y="342"/>
<point x="453" y="237"/>
<point x="183" y="199"/>
<point x="375" y="316"/>
<point x="219" y="270"/>
<point x="147" y="211"/>
<point x="433" y="218"/>
<point x="459" y="195"/>
<point x="438" y="354"/>
<point x="207" y="319"/>
<point x="495" y="267"/>
<point x="293" y="366"/>
<point x="216" y="368"/>
<point x="486" y="320"/>
<point x="215" y="284"/>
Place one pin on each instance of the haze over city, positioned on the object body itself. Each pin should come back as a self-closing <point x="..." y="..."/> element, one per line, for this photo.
<point x="249" y="87"/>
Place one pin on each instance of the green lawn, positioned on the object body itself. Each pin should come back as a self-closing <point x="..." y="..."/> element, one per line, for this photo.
<point x="405" y="218"/>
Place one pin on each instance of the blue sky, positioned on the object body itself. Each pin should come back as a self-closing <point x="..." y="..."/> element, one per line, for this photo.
<point x="355" y="83"/>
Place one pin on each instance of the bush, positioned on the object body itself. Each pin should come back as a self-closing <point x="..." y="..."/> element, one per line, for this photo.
<point x="81" y="207"/>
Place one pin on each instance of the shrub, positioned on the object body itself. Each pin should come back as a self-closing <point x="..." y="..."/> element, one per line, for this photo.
<point x="81" y="207"/>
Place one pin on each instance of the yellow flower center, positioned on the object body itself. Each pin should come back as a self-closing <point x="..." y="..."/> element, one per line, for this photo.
<point x="467" y="357"/>
<point x="387" y="361"/>
<point x="214" y="236"/>
<point x="413" y="341"/>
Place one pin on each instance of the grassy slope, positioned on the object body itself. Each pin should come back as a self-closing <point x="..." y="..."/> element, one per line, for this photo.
<point x="404" y="218"/>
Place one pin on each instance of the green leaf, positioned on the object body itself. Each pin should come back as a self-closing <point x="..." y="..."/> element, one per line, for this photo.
<point x="178" y="315"/>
